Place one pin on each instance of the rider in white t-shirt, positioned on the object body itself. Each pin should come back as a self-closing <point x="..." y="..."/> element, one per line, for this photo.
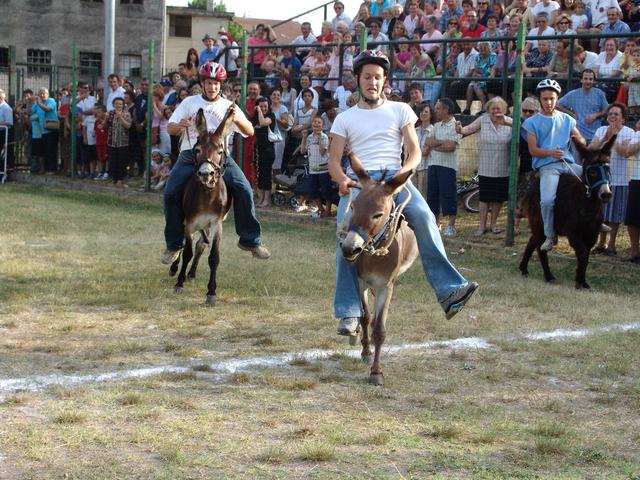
<point x="374" y="129"/>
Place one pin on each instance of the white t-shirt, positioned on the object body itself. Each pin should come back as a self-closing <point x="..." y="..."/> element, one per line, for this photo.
<point x="89" y="123"/>
<point x="113" y="94"/>
<point x="634" y="168"/>
<point x="579" y="21"/>
<point x="342" y="95"/>
<point x="549" y="9"/>
<point x="599" y="10"/>
<point x="86" y="105"/>
<point x="590" y="60"/>
<point x="535" y="32"/>
<point x="605" y="69"/>
<point x="214" y="112"/>
<point x="620" y="170"/>
<point x="375" y="136"/>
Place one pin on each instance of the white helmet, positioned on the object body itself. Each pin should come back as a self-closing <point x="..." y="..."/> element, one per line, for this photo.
<point x="549" y="84"/>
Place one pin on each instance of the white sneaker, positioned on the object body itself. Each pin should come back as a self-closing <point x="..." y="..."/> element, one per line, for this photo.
<point x="547" y="246"/>
<point x="449" y="231"/>
<point x="300" y="208"/>
<point x="315" y="214"/>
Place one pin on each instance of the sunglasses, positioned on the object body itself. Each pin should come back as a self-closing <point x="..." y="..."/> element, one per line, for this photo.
<point x="564" y="23"/>
<point x="526" y="110"/>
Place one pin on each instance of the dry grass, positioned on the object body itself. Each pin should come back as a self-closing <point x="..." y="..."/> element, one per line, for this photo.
<point x="82" y="292"/>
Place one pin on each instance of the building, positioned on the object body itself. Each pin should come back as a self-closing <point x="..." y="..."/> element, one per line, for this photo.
<point x="42" y="32"/>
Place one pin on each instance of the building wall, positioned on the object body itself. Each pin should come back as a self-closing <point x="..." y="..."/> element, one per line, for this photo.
<point x="54" y="24"/>
<point x="176" y="47"/>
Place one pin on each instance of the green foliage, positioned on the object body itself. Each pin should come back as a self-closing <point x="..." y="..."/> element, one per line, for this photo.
<point x="236" y="30"/>
<point x="220" y="8"/>
<point x="202" y="4"/>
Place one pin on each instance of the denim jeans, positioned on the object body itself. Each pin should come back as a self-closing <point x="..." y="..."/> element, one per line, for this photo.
<point x="549" y="178"/>
<point x="440" y="273"/>
<point x="247" y="225"/>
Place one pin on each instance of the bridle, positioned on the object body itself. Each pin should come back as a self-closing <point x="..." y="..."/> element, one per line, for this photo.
<point x="604" y="171"/>
<point x="377" y="244"/>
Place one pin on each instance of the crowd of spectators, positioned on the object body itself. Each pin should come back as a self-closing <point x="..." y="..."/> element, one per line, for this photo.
<point x="293" y="95"/>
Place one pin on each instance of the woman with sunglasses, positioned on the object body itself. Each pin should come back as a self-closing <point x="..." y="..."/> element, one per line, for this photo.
<point x="563" y="25"/>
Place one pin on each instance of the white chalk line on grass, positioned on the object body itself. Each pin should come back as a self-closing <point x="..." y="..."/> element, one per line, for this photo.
<point x="36" y="383"/>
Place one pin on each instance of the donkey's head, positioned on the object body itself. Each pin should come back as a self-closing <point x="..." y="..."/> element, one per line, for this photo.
<point x="596" y="173"/>
<point x="209" y="151"/>
<point x="370" y="210"/>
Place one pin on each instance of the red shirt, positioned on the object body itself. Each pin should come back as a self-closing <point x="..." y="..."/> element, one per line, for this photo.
<point x="101" y="132"/>
<point x="325" y="38"/>
<point x="467" y="32"/>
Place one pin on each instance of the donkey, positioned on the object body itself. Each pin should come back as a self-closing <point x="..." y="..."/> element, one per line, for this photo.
<point x="578" y="211"/>
<point x="382" y="247"/>
<point x="205" y="203"/>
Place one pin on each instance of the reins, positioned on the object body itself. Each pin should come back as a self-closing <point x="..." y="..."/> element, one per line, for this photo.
<point x="377" y="245"/>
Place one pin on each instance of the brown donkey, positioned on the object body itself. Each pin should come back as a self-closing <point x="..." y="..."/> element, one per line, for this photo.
<point x="577" y="212"/>
<point x="383" y="247"/>
<point x="205" y="203"/>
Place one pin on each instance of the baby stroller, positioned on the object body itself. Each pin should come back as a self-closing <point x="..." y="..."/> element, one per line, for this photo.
<point x="291" y="182"/>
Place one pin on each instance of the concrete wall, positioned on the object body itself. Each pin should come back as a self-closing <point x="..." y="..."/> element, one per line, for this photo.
<point x="55" y="24"/>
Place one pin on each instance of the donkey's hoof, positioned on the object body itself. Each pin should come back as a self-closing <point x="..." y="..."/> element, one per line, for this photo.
<point x="525" y="273"/>
<point x="178" y="289"/>
<point x="551" y="279"/>
<point x="173" y="271"/>
<point x="376" y="379"/>
<point x="582" y="285"/>
<point x="211" y="300"/>
<point x="366" y="358"/>
<point x="353" y="339"/>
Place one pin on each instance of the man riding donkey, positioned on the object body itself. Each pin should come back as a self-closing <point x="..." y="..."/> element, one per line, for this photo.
<point x="212" y="77"/>
<point x="374" y="130"/>
<point x="548" y="136"/>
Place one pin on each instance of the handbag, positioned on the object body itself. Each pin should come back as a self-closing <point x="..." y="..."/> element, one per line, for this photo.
<point x="275" y="135"/>
<point x="52" y="125"/>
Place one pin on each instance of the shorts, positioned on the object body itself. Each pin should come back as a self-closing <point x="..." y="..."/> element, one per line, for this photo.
<point x="87" y="154"/>
<point x="632" y="216"/>
<point x="319" y="186"/>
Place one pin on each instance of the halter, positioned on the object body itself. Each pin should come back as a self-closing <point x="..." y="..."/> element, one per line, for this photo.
<point x="603" y="169"/>
<point x="218" y="169"/>
<point x="378" y="244"/>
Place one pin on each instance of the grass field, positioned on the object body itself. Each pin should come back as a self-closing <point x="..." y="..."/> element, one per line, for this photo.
<point x="82" y="292"/>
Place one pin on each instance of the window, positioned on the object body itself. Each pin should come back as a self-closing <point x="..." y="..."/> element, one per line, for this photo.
<point x="130" y="65"/>
<point x="131" y="2"/>
<point x="91" y="1"/>
<point x="4" y="57"/>
<point x="180" y="26"/>
<point x="90" y="63"/>
<point x="37" y="57"/>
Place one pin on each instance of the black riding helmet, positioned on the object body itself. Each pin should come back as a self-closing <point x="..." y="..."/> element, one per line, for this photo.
<point x="371" y="56"/>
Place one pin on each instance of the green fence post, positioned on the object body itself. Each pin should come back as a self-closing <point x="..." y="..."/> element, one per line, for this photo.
<point x="243" y="95"/>
<point x="74" y="103"/>
<point x="363" y="40"/>
<point x="149" y="116"/>
<point x="515" y="136"/>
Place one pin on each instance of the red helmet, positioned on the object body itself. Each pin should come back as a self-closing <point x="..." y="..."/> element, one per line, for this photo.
<point x="213" y="70"/>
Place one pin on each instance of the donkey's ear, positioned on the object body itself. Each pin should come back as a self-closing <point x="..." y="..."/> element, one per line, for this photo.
<point x="224" y="129"/>
<point x="608" y="145"/>
<point x="201" y="123"/>
<point x="397" y="182"/>
<point x="583" y="150"/>
<point x="358" y="169"/>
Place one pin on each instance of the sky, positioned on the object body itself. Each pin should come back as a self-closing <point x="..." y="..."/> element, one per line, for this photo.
<point x="281" y="9"/>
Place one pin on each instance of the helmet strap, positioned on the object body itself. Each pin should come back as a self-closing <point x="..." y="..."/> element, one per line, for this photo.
<point x="204" y="96"/>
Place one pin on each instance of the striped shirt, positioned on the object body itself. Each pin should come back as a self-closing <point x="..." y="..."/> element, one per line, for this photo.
<point x="445" y="131"/>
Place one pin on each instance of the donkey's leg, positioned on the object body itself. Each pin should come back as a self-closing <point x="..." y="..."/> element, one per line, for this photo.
<point x="174" y="267"/>
<point x="214" y="261"/>
<point x="582" y="256"/>
<point x="365" y="321"/>
<point x="544" y="261"/>
<point x="383" y="299"/>
<point x="201" y="246"/>
<point x="526" y="256"/>
<point x="187" y="254"/>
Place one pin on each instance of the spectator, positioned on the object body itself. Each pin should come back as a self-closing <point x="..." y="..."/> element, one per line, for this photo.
<point x="192" y="64"/>
<point x="567" y="7"/>
<point x="414" y="20"/>
<point x="387" y="18"/>
<point x="101" y="134"/>
<point x="330" y="112"/>
<point x="264" y="153"/>
<point x="615" y="210"/>
<point x="159" y="137"/>
<point x="422" y="68"/>
<point x="333" y="63"/>
<point x="559" y="65"/>
<point x="547" y="6"/>
<point x="474" y="30"/>
<point x="423" y="131"/>
<point x="542" y="29"/>
<point x="363" y="16"/>
<point x="431" y="33"/>
<point x="614" y="25"/>
<point x="441" y="147"/>
<point x="608" y="67"/>
<point x="305" y="83"/>
<point x="483" y="68"/>
<point x="483" y="12"/>
<point x="344" y="91"/>
<point x="169" y="97"/>
<point x="316" y="68"/>
<point x="633" y="77"/>
<point x="289" y="64"/>
<point x="530" y="106"/>
<point x="416" y="97"/>
<point x="114" y="91"/>
<point x="398" y="31"/>
<point x="140" y="121"/>
<point x="632" y="217"/>
<point x="377" y="7"/>
<point x="520" y="8"/>
<point x="494" y="87"/>
<point x="6" y="120"/>
<point x="156" y="161"/>
<point x="453" y="31"/>
<point x="210" y="50"/>
<point x="338" y="7"/>
<point x="271" y="74"/>
<point x="251" y="101"/>
<point x="288" y="93"/>
<point x="431" y="9"/>
<point x="579" y="20"/>
<point x="453" y="11"/>
<point x="465" y="63"/>
<point x="563" y="22"/>
<point x="118" y="124"/>
<point x="501" y="17"/>
<point x="164" y="170"/>
<point x="511" y="30"/>
<point x="262" y="36"/>
<point x="402" y="63"/>
<point x="46" y="111"/>
<point x="227" y="55"/>
<point x="536" y="64"/>
<point x="599" y="14"/>
<point x="37" y="149"/>
<point x="305" y="38"/>
<point x="492" y="32"/>
<point x="467" y="6"/>
<point x="584" y="59"/>
<point x="281" y="114"/>
<point x="315" y="144"/>
<point x="88" y="146"/>
<point x="627" y="56"/>
<point x="493" y="161"/>
<point x="136" y="155"/>
<point x="326" y="32"/>
<point x="375" y="36"/>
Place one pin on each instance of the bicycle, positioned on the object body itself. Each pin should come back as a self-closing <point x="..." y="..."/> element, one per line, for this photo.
<point x="468" y="190"/>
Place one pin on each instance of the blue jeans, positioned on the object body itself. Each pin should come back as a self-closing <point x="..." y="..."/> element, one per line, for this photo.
<point x="247" y="225"/>
<point x="549" y="178"/>
<point x="440" y="273"/>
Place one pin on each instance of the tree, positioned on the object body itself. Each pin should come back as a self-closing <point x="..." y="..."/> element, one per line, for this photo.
<point x="220" y="8"/>
<point x="201" y="4"/>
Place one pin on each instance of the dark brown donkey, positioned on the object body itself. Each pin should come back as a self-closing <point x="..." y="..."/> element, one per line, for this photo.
<point x="577" y="212"/>
<point x="205" y="203"/>
<point x="382" y="247"/>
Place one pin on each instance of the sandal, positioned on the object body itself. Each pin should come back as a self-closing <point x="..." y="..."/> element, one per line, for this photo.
<point x="480" y="232"/>
<point x="495" y="229"/>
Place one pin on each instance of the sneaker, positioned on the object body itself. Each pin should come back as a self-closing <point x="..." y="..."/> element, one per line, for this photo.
<point x="449" y="231"/>
<point x="458" y="298"/>
<point x="315" y="214"/>
<point x="547" y="245"/>
<point x="300" y="208"/>
<point x="348" y="326"/>
<point x="170" y="256"/>
<point x="259" y="251"/>
<point x="604" y="228"/>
